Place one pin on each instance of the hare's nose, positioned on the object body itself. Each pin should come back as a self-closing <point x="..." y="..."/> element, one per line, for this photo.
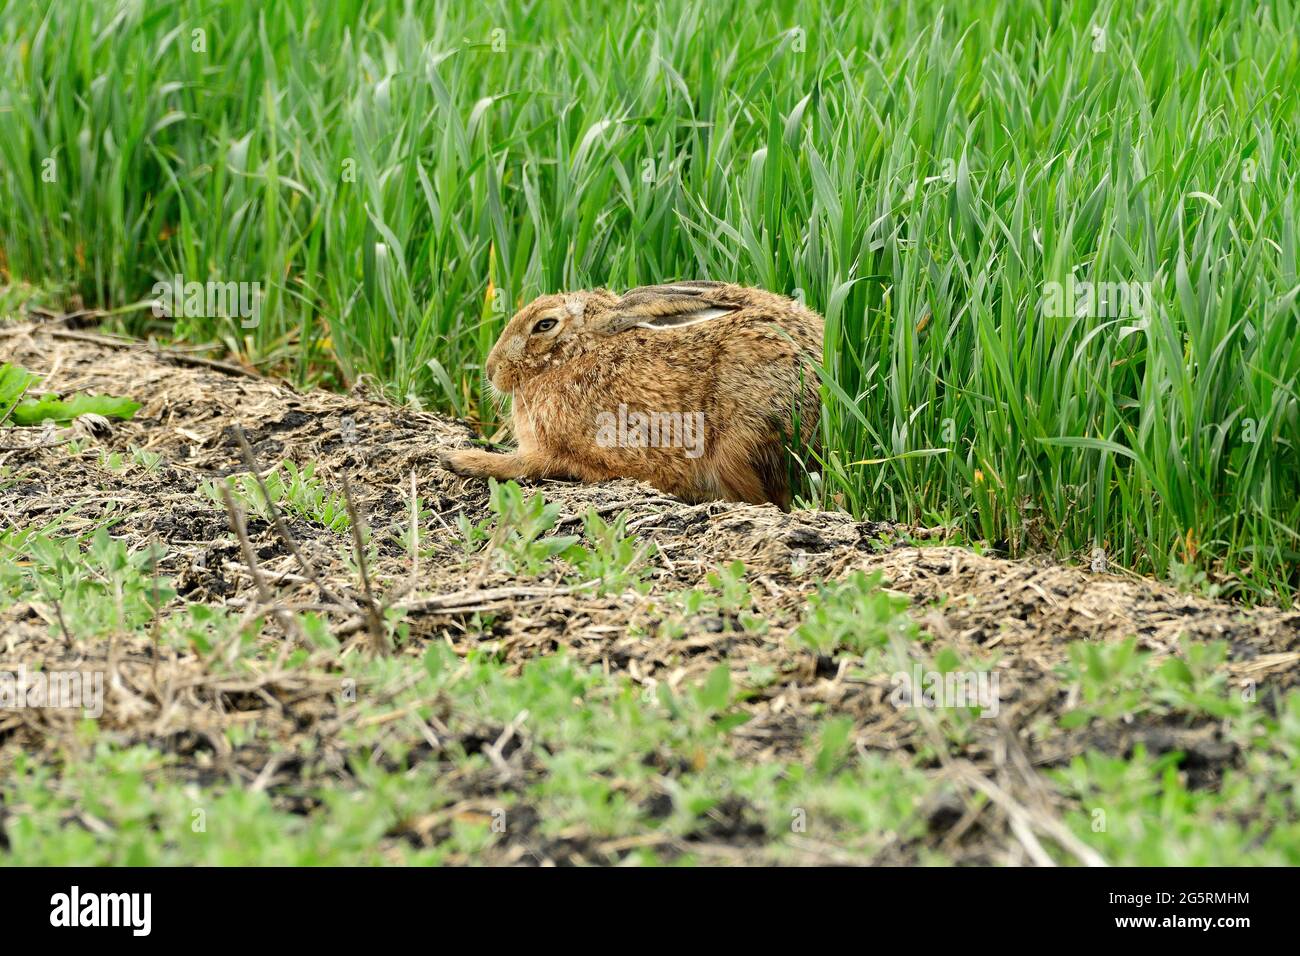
<point x="490" y="367"/>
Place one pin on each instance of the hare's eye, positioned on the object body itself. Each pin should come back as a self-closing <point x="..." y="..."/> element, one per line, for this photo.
<point x="545" y="325"/>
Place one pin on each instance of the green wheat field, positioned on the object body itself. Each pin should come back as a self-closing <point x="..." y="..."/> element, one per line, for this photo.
<point x="399" y="177"/>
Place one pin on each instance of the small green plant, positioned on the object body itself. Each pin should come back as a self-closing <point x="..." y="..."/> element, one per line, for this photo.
<point x="517" y="532"/>
<point x="1116" y="681"/>
<point x="148" y="460"/>
<point x="1111" y="681"/>
<point x="307" y="496"/>
<point x="855" y="615"/>
<point x="292" y="489"/>
<point x="706" y="709"/>
<point x="142" y="458"/>
<point x="14" y="405"/>
<point x="99" y="585"/>
<point x="111" y="460"/>
<point x="832" y="744"/>
<point x="733" y="590"/>
<point x="725" y="597"/>
<point x="407" y="536"/>
<point x="610" y="556"/>
<point x="1189" y="579"/>
<point x="955" y="692"/>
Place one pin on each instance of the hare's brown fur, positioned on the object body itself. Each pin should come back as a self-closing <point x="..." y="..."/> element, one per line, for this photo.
<point x="747" y="365"/>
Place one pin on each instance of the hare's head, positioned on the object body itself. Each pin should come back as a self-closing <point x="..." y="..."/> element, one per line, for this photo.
<point x="545" y="332"/>
<point x="552" y="329"/>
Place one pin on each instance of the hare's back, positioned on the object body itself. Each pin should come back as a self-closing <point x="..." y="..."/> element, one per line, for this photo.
<point x="760" y="334"/>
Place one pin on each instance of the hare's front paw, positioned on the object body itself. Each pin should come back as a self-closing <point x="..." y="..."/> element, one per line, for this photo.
<point x="472" y="463"/>
<point x="467" y="463"/>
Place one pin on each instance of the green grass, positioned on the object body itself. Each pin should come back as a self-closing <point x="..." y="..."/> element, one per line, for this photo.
<point x="399" y="177"/>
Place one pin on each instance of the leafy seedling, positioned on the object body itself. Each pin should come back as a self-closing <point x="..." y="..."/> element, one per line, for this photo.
<point x="15" y="382"/>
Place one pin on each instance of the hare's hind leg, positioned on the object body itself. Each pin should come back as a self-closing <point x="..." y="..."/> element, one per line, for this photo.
<point x="770" y="468"/>
<point x="749" y="465"/>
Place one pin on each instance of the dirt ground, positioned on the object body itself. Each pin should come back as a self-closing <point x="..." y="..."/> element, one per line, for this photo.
<point x="1024" y="612"/>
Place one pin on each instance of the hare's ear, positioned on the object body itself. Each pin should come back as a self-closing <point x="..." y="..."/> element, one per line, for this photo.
<point x="667" y="306"/>
<point x="684" y="318"/>
<point x="696" y="290"/>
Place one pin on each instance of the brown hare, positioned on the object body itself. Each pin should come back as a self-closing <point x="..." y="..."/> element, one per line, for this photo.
<point x="693" y="387"/>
